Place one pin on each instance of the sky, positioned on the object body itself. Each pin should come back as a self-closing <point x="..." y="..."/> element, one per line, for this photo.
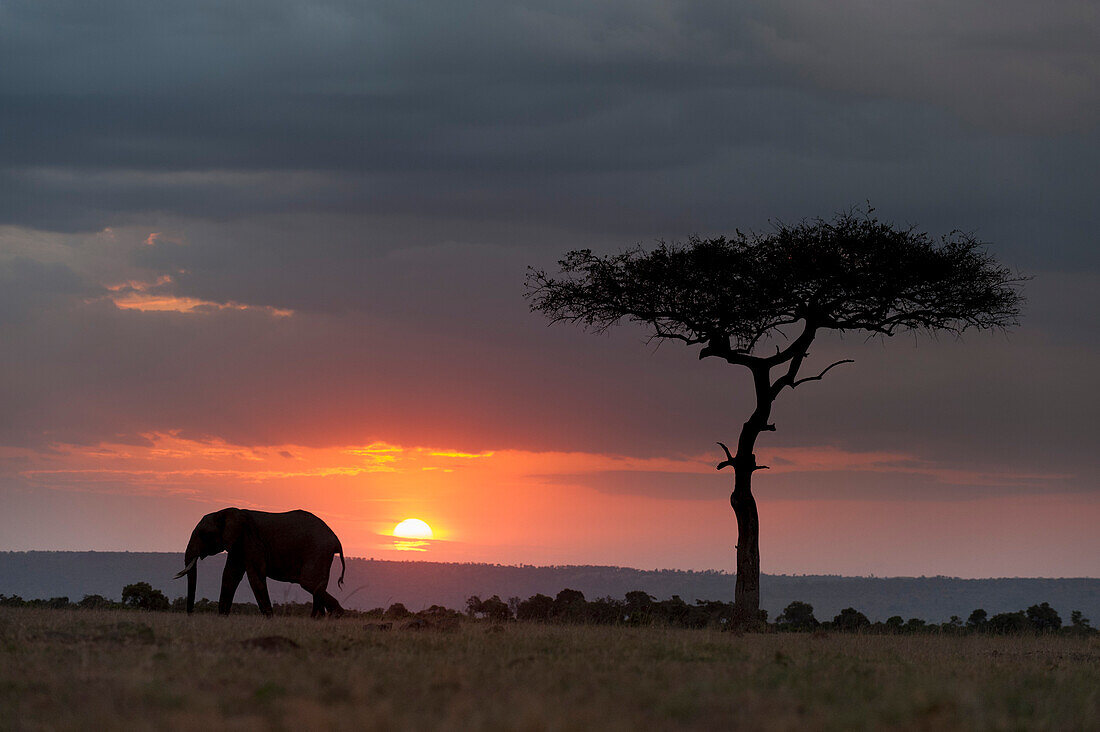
<point x="272" y="255"/>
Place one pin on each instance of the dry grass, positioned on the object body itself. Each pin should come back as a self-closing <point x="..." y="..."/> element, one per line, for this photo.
<point x="115" y="670"/>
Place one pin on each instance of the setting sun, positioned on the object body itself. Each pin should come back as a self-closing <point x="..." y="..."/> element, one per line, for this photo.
<point x="412" y="529"/>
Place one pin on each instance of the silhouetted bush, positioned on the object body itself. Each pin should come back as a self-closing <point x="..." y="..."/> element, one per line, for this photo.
<point x="569" y="606"/>
<point x="851" y="619"/>
<point x="1044" y="618"/>
<point x="94" y="602"/>
<point x="1006" y="623"/>
<point x="977" y="620"/>
<point x="711" y="613"/>
<point x="605" y="611"/>
<point x="917" y="625"/>
<point x="493" y="609"/>
<point x="537" y="607"/>
<point x="797" y="616"/>
<point x="954" y="624"/>
<point x="638" y="608"/>
<point x="142" y="596"/>
<point x="396" y="611"/>
<point x="439" y="613"/>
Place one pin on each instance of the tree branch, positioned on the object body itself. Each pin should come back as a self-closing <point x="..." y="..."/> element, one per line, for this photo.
<point x="721" y="348"/>
<point x="796" y="351"/>
<point x="818" y="377"/>
<point x="728" y="462"/>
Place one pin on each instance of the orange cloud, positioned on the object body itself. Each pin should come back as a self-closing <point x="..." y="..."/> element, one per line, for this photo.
<point x="149" y="296"/>
<point x="167" y="459"/>
<point x="139" y="285"/>
<point x="138" y="299"/>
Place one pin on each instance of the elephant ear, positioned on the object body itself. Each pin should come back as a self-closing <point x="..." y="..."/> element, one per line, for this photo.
<point x="237" y="523"/>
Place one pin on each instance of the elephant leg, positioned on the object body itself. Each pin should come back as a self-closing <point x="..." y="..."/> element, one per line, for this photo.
<point x="231" y="577"/>
<point x="331" y="604"/>
<point x="259" y="589"/>
<point x="315" y="581"/>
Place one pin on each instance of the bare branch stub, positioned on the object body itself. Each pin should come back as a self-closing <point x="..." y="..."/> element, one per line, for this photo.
<point x="728" y="462"/>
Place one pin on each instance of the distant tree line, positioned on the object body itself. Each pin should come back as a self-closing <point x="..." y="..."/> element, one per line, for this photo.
<point x="1041" y="618"/>
<point x="637" y="608"/>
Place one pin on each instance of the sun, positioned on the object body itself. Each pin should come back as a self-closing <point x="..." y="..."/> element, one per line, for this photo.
<point x="412" y="529"/>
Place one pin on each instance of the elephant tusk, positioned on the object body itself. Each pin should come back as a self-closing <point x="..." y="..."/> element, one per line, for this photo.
<point x="186" y="569"/>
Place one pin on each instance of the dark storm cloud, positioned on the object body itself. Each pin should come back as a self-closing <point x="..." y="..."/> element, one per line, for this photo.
<point x="634" y="118"/>
<point x="963" y="55"/>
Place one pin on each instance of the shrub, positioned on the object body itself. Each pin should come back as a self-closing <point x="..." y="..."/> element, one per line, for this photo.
<point x="851" y="619"/>
<point x="605" y="611"/>
<point x="797" y="616"/>
<point x="916" y="625"/>
<point x="536" y="607"/>
<point x="1078" y="621"/>
<point x="638" y="607"/>
<point x="94" y="602"/>
<point x="142" y="596"/>
<point x="396" y="611"/>
<point x="1006" y="623"/>
<point x="977" y="619"/>
<point x="493" y="609"/>
<point x="1044" y="618"/>
<point x="569" y="606"/>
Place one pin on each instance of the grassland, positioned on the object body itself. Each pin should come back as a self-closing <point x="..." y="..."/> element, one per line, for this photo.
<point x="132" y="670"/>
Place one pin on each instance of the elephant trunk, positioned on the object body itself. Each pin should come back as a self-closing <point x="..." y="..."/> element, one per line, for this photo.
<point x="191" y="557"/>
<point x="192" y="576"/>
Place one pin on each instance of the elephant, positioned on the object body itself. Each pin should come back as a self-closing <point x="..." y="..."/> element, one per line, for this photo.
<point x="295" y="546"/>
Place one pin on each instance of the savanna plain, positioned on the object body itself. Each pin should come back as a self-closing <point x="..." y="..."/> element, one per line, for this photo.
<point x="131" y="670"/>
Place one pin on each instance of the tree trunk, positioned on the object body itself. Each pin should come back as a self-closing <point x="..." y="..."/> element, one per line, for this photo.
<point x="746" y="594"/>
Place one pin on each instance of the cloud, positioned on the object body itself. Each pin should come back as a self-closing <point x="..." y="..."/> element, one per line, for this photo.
<point x="630" y="119"/>
<point x="172" y="463"/>
<point x="821" y="474"/>
<point x="1019" y="68"/>
<point x="27" y="286"/>
<point x="152" y="303"/>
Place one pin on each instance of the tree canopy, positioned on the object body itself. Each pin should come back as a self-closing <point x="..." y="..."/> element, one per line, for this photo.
<point x="734" y="294"/>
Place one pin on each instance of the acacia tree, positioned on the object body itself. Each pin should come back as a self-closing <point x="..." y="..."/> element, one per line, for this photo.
<point x="758" y="300"/>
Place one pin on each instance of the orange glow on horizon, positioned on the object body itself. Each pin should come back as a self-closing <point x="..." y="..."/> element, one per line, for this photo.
<point x="510" y="506"/>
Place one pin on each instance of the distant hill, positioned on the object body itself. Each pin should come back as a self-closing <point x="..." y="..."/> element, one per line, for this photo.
<point x="374" y="583"/>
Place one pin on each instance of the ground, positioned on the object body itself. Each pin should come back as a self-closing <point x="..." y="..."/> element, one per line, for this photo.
<point x="132" y="670"/>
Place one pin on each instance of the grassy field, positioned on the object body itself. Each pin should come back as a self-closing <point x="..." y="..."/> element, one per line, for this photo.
<point x="115" y="670"/>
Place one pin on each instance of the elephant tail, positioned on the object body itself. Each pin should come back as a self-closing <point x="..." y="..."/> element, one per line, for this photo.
<point x="343" y="565"/>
